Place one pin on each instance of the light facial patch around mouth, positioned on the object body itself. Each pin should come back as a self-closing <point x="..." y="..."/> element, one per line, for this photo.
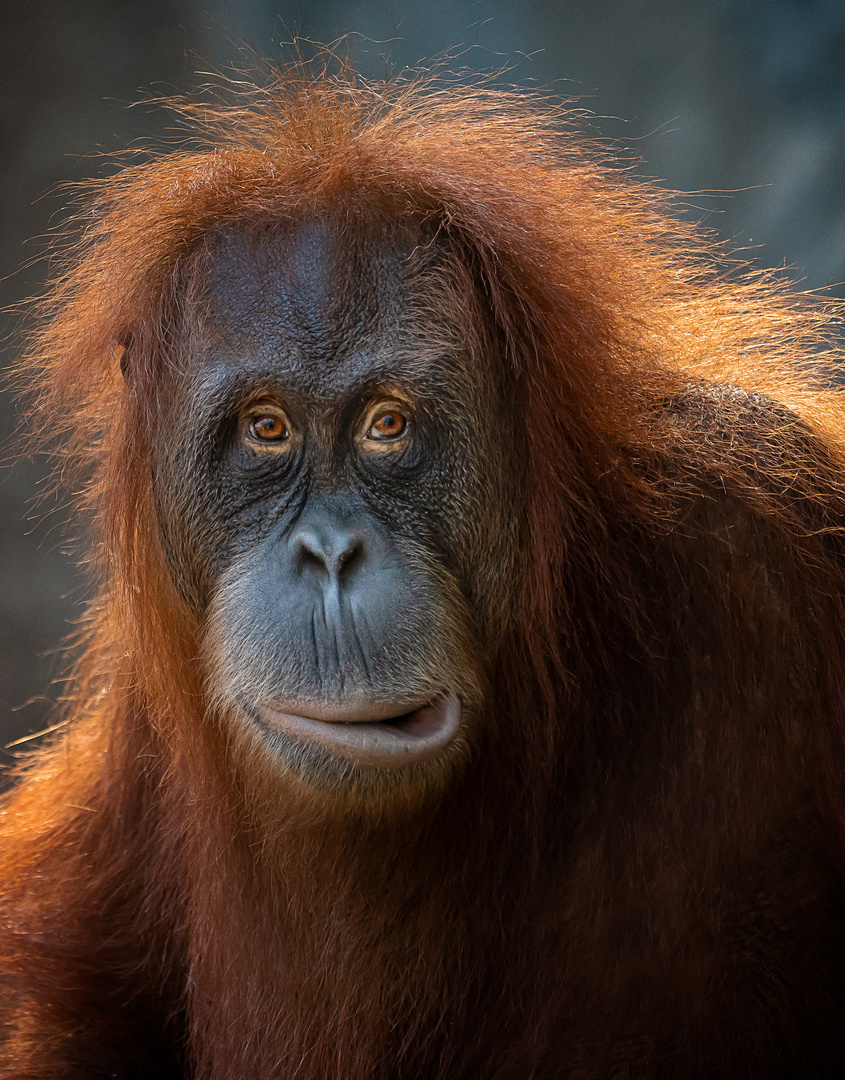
<point x="375" y="733"/>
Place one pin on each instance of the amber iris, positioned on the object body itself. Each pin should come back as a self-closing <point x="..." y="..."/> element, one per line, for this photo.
<point x="389" y="424"/>
<point x="268" y="428"/>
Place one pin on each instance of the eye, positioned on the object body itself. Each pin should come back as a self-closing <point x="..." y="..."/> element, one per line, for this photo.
<point x="387" y="425"/>
<point x="269" y="427"/>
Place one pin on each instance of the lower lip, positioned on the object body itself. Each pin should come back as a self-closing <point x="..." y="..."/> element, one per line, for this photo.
<point x="396" y="740"/>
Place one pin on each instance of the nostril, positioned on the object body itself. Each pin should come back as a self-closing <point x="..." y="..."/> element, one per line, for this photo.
<point x="310" y="558"/>
<point x="350" y="558"/>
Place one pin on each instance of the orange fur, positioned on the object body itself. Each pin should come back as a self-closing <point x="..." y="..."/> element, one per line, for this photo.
<point x="679" y="547"/>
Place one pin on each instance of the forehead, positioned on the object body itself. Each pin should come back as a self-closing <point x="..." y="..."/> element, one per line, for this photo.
<point x="314" y="302"/>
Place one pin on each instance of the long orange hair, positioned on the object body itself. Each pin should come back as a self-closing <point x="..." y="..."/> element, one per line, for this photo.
<point x="613" y="320"/>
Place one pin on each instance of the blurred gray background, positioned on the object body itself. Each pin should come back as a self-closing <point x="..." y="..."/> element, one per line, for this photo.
<point x="745" y="97"/>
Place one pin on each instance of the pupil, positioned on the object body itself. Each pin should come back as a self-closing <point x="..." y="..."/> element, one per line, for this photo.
<point x="390" y="423"/>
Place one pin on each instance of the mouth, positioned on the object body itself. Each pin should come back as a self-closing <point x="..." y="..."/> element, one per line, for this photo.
<point x="371" y="733"/>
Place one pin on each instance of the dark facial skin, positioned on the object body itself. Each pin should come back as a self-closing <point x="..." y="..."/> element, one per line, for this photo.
<point x="331" y="475"/>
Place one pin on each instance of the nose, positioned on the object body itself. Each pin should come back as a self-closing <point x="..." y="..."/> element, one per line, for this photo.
<point x="327" y="550"/>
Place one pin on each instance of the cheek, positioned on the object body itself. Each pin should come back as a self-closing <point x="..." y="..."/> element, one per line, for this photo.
<point x="196" y="539"/>
<point x="477" y="523"/>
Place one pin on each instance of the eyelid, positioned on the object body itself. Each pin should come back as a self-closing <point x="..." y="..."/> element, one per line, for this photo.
<point x="384" y="405"/>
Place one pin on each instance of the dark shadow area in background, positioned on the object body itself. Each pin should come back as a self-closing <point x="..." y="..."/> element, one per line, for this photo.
<point x="740" y="95"/>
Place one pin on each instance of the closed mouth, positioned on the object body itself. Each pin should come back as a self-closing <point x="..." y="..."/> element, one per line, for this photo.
<point x="374" y="733"/>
